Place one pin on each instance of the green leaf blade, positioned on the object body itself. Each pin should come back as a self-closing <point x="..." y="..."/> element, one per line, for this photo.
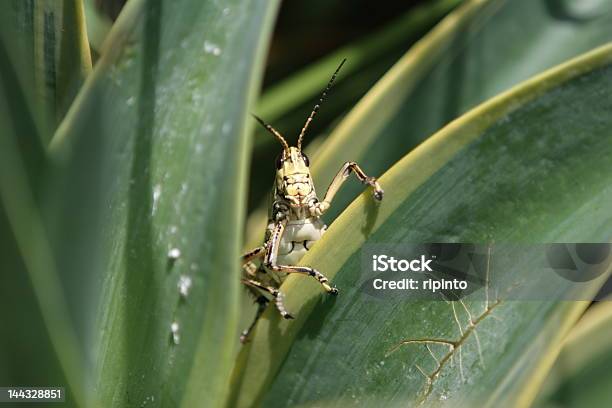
<point x="446" y="74"/>
<point x="579" y="376"/>
<point x="48" y="48"/>
<point x="155" y="153"/>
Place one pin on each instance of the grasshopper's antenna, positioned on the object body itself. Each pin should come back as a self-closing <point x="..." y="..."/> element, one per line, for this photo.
<point x="316" y="107"/>
<point x="273" y="131"/>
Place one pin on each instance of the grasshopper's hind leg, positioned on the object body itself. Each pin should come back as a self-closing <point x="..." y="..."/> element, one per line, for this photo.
<point x="256" y="288"/>
<point x="276" y="294"/>
<point x="262" y="302"/>
<point x="253" y="254"/>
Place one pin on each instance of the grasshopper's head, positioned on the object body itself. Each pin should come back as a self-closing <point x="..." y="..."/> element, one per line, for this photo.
<point x="293" y="181"/>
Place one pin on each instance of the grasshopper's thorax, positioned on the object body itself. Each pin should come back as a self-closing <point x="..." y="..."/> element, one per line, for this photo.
<point x="293" y="180"/>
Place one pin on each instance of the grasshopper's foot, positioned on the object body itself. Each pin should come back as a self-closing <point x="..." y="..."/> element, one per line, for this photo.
<point x="317" y="208"/>
<point x="378" y="192"/>
<point x="244" y="337"/>
<point x="323" y="281"/>
<point x="332" y="290"/>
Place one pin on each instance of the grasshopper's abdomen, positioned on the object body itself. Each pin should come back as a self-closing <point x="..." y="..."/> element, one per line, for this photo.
<point x="299" y="236"/>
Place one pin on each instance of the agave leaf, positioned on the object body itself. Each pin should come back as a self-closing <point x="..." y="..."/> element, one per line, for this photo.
<point x="98" y="25"/>
<point x="151" y="169"/>
<point x="465" y="60"/>
<point x="47" y="45"/>
<point x="507" y="171"/>
<point x="40" y="345"/>
<point x="74" y="60"/>
<point x="35" y="43"/>
<point x="20" y="124"/>
<point x="579" y="377"/>
<point x="446" y="74"/>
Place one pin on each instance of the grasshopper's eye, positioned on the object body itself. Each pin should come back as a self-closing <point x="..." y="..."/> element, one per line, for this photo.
<point x="279" y="161"/>
<point x="306" y="161"/>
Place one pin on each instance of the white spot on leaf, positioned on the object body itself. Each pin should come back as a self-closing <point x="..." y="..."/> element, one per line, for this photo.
<point x="176" y="336"/>
<point x="174" y="254"/>
<point x="184" y="284"/>
<point x="156" y="194"/>
<point x="211" y="48"/>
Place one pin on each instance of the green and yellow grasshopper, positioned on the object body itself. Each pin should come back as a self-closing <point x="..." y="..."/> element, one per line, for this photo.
<point x="294" y="221"/>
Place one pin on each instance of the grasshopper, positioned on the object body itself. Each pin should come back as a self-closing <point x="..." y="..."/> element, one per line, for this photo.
<point x="294" y="221"/>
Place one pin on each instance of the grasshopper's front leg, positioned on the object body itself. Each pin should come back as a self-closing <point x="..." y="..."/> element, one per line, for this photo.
<point x="318" y="208"/>
<point x="272" y="254"/>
